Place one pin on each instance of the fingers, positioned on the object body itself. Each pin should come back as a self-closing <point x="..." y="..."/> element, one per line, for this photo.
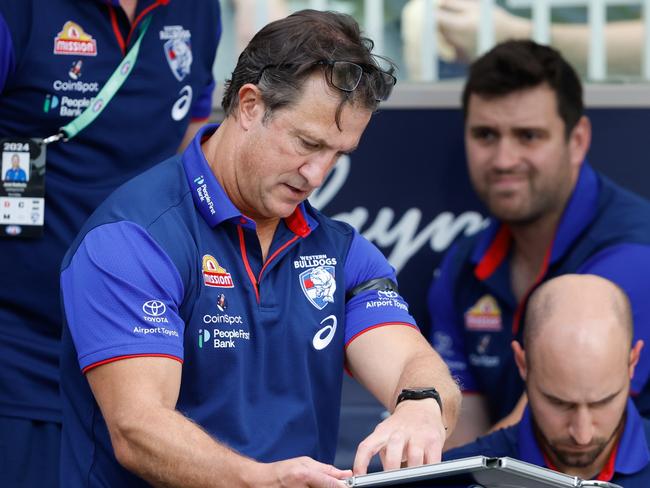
<point x="393" y="452"/>
<point x="433" y="454"/>
<point x="333" y="471"/>
<point x="415" y="456"/>
<point x="305" y="472"/>
<point x="414" y="434"/>
<point x="366" y="450"/>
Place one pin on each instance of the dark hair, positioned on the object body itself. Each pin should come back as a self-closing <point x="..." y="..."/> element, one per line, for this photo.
<point x="520" y="64"/>
<point x="284" y="53"/>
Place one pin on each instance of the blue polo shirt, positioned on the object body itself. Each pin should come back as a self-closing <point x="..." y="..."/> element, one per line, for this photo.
<point x="15" y="175"/>
<point x="628" y="466"/>
<point x="55" y="55"/>
<point x="604" y="230"/>
<point x="168" y="266"/>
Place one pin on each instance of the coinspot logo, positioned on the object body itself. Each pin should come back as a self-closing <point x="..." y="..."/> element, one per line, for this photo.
<point x="204" y="337"/>
<point x="154" y="308"/>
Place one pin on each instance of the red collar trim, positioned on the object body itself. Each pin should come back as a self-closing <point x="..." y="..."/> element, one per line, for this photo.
<point x="116" y="29"/>
<point x="608" y="470"/>
<point x="493" y="258"/>
<point x="494" y="255"/>
<point x="606" y="474"/>
<point x="297" y="223"/>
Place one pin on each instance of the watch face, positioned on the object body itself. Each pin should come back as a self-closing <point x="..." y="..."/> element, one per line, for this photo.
<point x="420" y="391"/>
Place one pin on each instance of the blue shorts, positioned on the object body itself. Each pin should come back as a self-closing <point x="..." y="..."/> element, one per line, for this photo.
<point x="29" y="453"/>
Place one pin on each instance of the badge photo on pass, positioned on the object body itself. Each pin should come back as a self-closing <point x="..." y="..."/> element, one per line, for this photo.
<point x="22" y="192"/>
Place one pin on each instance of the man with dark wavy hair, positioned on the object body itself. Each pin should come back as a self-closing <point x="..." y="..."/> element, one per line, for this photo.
<point x="211" y="309"/>
<point x="526" y="139"/>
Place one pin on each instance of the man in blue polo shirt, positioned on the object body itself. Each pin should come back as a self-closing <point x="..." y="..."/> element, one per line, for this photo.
<point x="526" y="140"/>
<point x="55" y="56"/>
<point x="210" y="309"/>
<point x="15" y="172"/>
<point x="577" y="363"/>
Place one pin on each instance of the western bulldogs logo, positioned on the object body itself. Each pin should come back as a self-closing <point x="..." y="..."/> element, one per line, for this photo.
<point x="318" y="285"/>
<point x="179" y="57"/>
<point x="178" y="50"/>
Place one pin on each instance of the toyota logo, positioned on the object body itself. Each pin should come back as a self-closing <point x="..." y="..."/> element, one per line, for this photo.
<point x="155" y="308"/>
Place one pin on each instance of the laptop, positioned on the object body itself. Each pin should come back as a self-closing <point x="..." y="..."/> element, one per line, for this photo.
<point x="479" y="471"/>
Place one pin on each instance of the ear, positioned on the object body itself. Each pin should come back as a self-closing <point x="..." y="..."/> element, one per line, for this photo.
<point x="635" y="353"/>
<point x="251" y="106"/>
<point x="520" y="359"/>
<point x="579" y="141"/>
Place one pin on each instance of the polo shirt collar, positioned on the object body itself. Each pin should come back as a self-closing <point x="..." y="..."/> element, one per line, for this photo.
<point x="211" y="199"/>
<point x="529" y="450"/>
<point x="632" y="454"/>
<point x="493" y="246"/>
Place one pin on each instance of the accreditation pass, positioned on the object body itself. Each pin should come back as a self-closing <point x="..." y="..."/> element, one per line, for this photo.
<point x="22" y="202"/>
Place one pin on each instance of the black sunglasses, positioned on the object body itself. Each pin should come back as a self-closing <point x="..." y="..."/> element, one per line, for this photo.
<point x="346" y="76"/>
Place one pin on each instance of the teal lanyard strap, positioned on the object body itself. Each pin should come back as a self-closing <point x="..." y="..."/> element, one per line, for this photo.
<point x="108" y="91"/>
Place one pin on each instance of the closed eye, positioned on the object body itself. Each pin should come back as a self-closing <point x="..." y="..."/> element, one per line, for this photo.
<point x="312" y="146"/>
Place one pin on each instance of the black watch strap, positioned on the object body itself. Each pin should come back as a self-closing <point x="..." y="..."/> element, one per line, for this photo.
<point x="419" y="394"/>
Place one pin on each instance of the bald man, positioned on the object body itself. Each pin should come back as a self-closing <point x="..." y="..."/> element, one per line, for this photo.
<point x="577" y="363"/>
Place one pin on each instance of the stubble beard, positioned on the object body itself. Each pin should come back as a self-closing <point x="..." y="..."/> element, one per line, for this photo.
<point x="582" y="460"/>
<point x="530" y="206"/>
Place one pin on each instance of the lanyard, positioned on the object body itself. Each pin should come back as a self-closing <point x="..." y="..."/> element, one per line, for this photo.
<point x="105" y="95"/>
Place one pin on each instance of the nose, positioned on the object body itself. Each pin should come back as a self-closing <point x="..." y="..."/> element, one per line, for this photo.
<point x="315" y="169"/>
<point x="581" y="428"/>
<point x="506" y="155"/>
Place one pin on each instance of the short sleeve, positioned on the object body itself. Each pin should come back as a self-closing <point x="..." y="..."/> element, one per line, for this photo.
<point x="371" y="308"/>
<point x="121" y="293"/>
<point x="628" y="265"/>
<point x="446" y="332"/>
<point x="202" y="105"/>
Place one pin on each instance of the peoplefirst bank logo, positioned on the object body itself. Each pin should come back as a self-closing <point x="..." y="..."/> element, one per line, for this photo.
<point x="214" y="275"/>
<point x="204" y="337"/>
<point x="223" y="338"/>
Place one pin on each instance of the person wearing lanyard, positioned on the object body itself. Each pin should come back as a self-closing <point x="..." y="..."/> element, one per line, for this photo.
<point x="577" y="361"/>
<point x="55" y="57"/>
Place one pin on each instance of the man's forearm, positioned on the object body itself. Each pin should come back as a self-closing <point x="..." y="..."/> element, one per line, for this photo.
<point x="623" y="43"/>
<point x="166" y="449"/>
<point x="428" y="369"/>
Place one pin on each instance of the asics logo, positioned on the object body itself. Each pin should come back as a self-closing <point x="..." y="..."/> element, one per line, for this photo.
<point x="182" y="105"/>
<point x="324" y="336"/>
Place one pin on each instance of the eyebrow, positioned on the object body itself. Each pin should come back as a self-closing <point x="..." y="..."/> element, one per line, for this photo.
<point x="322" y="142"/>
<point x="595" y="402"/>
<point x="478" y="127"/>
